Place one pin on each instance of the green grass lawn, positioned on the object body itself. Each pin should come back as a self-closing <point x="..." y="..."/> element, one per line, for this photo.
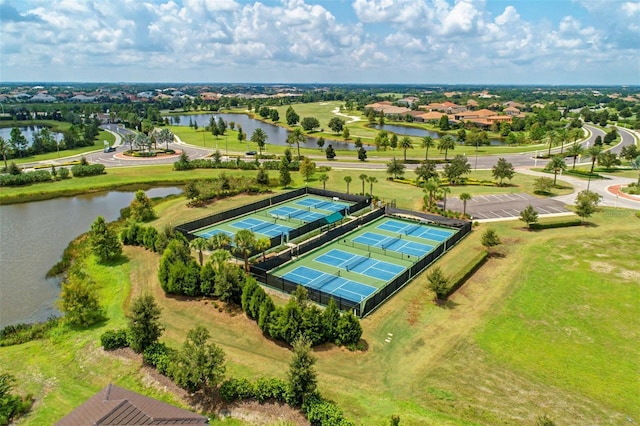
<point x="548" y="327"/>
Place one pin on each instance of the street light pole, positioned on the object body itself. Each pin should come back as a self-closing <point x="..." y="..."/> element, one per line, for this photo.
<point x="476" y="166"/>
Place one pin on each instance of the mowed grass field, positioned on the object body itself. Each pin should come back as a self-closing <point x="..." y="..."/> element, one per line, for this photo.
<point x="549" y="327"/>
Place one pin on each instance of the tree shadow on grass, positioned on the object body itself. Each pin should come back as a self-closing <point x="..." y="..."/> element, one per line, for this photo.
<point x="118" y="261"/>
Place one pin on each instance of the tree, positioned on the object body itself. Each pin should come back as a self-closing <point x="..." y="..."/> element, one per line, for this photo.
<point x="199" y="244"/>
<point x="346" y="133"/>
<point x="594" y="151"/>
<point x="556" y="165"/>
<point x="446" y="143"/>
<point x="291" y="116"/>
<point x="165" y="136"/>
<point x="628" y="152"/>
<point x="425" y="171"/>
<point x="382" y="140"/>
<point x="395" y="168"/>
<point x="18" y="141"/>
<point x="529" y="215"/>
<point x="393" y="141"/>
<point x="575" y="151"/>
<point x="348" y="180"/>
<point x="598" y="141"/>
<point x="635" y="165"/>
<point x="330" y="152"/>
<point x="363" y="178"/>
<point x="245" y="244"/>
<point x="104" y="241"/>
<point x="273" y="115"/>
<point x="431" y="187"/>
<point x="324" y="178"/>
<point x="457" y="168"/>
<point x="372" y="180"/>
<point x="262" y="245"/>
<point x="610" y="136"/>
<point x="444" y="122"/>
<point x="490" y="239"/>
<point x="543" y="185"/>
<point x="502" y="169"/>
<point x="296" y="137"/>
<point x="198" y="365"/>
<point x="464" y="197"/>
<point x="427" y="142"/>
<point x="4" y="150"/>
<point x="302" y="374"/>
<point x="444" y="191"/>
<point x="553" y="140"/>
<point x="438" y="283"/>
<point x="336" y="124"/>
<point x="141" y="209"/>
<point x="128" y="139"/>
<point x="307" y="168"/>
<point x="309" y="123"/>
<point x="320" y="143"/>
<point x="260" y="137"/>
<point x="79" y="301"/>
<point x="405" y="143"/>
<point x="262" y="177"/>
<point x="608" y="160"/>
<point x="586" y="203"/>
<point x="11" y="406"/>
<point x="362" y="154"/>
<point x="285" y="176"/>
<point x="144" y="323"/>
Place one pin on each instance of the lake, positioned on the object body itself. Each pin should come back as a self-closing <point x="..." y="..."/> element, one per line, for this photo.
<point x="27" y="132"/>
<point x="34" y="235"/>
<point x="276" y="135"/>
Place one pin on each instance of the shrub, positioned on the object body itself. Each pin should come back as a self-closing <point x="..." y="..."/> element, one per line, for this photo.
<point x="235" y="389"/>
<point x="114" y="339"/>
<point x="63" y="172"/>
<point x="322" y="412"/>
<point x="466" y="272"/>
<point x="21" y="333"/>
<point x="80" y="170"/>
<point x="158" y="355"/>
<point x="270" y="388"/>
<point x="25" y="178"/>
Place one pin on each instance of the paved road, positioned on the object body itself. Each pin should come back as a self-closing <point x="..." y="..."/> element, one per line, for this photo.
<point x="503" y="206"/>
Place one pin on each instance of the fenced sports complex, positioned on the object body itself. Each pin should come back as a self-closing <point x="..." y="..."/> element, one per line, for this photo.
<point x="358" y="261"/>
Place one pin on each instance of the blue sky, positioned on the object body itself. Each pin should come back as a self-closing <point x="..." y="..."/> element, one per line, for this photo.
<point x="594" y="42"/>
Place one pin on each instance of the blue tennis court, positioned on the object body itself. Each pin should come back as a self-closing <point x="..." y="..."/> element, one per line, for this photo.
<point x="331" y="284"/>
<point x="419" y="230"/>
<point x="287" y="212"/>
<point x="261" y="227"/>
<point x="394" y="244"/>
<point x="379" y="269"/>
<point x="315" y="203"/>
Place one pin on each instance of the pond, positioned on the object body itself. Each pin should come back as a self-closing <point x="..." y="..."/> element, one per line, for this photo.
<point x="276" y="135"/>
<point x="27" y="132"/>
<point x="414" y="131"/>
<point x="34" y="235"/>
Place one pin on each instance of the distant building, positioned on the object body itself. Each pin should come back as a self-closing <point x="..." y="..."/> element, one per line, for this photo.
<point x="43" y="97"/>
<point x="114" y="405"/>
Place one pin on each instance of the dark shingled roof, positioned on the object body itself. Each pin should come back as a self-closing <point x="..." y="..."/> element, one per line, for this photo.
<point x="114" y="405"/>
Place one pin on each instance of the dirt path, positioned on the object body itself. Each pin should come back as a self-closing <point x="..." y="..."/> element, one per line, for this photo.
<point x="352" y="118"/>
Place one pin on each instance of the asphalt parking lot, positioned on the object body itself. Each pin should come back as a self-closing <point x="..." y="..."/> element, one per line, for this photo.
<point x="504" y="206"/>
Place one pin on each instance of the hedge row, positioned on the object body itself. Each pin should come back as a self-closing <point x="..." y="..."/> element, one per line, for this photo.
<point x="465" y="273"/>
<point x="25" y="178"/>
<point x="556" y="224"/>
<point x="234" y="164"/>
<point x="80" y="170"/>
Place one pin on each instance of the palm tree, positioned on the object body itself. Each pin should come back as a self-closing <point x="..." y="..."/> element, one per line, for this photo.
<point x="447" y="143"/>
<point x="372" y="180"/>
<point x="563" y="136"/>
<point x="323" y="178"/>
<point x="165" y="136"/>
<point x="219" y="259"/>
<point x="594" y="151"/>
<point x="245" y="243"/>
<point x="427" y="142"/>
<point x="296" y="137"/>
<point x="574" y="151"/>
<point x="464" y="197"/>
<point x="129" y="138"/>
<point x="363" y="178"/>
<point x="262" y="245"/>
<point x="557" y="164"/>
<point x="405" y="143"/>
<point x="431" y="186"/>
<point x="347" y="179"/>
<point x="445" y="190"/>
<point x="260" y="137"/>
<point x="199" y="244"/>
<point x="219" y="241"/>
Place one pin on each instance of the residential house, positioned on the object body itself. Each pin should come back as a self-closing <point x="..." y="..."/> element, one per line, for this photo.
<point x="114" y="405"/>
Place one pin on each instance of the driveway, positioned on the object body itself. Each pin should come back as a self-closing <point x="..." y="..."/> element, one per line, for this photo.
<point x="506" y="206"/>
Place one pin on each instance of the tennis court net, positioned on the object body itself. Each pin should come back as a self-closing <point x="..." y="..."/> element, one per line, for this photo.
<point x="260" y="226"/>
<point x="321" y="281"/>
<point x="412" y="229"/>
<point x="353" y="263"/>
<point x="389" y="243"/>
<point x="373" y="249"/>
